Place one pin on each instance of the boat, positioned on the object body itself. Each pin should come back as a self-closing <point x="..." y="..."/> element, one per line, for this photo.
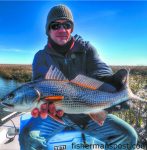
<point x="65" y="140"/>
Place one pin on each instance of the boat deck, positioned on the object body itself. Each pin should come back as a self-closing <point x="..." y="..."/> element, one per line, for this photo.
<point x="4" y="141"/>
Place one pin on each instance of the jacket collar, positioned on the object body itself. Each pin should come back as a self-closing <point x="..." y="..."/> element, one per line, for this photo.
<point x="76" y="47"/>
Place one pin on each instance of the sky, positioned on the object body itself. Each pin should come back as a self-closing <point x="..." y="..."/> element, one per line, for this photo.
<point x="117" y="29"/>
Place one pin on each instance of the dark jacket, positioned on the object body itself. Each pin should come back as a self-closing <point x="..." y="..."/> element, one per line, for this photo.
<point x="82" y="58"/>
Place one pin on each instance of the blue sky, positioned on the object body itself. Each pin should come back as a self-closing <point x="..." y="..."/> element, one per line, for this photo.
<point x="117" y="29"/>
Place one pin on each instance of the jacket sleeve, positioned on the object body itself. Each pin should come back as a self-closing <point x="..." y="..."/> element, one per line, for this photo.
<point x="95" y="67"/>
<point x="39" y="68"/>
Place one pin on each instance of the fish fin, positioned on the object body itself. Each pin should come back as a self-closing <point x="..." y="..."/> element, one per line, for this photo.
<point x="54" y="98"/>
<point x="87" y="82"/>
<point x="134" y="97"/>
<point x="124" y="75"/>
<point x="55" y="74"/>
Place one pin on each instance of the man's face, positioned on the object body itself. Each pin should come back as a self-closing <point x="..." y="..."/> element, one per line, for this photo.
<point x="60" y="31"/>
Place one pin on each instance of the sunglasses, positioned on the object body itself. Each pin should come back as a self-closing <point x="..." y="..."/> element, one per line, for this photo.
<point x="58" y="25"/>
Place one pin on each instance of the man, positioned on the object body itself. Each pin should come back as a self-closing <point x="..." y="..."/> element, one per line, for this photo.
<point x="73" y="56"/>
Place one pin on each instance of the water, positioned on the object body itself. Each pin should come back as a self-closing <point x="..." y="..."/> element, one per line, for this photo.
<point x="7" y="85"/>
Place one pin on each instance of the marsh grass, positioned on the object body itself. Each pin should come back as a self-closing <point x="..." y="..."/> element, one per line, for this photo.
<point x="20" y="73"/>
<point x="23" y="73"/>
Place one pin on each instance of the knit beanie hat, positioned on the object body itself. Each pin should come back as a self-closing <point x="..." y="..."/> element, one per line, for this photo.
<point x="58" y="12"/>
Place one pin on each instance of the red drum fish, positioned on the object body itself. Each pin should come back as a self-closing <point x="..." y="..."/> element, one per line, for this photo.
<point x="80" y="95"/>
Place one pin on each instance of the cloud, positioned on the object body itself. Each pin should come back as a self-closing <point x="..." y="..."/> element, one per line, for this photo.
<point x="12" y="50"/>
<point x="107" y="14"/>
<point x="15" y="50"/>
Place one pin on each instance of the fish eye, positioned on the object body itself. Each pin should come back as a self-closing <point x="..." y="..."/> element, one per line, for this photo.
<point x="11" y="95"/>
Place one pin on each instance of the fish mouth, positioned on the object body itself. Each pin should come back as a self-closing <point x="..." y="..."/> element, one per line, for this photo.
<point x="7" y="105"/>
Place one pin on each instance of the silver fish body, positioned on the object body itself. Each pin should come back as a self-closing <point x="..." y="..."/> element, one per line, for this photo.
<point x="76" y="97"/>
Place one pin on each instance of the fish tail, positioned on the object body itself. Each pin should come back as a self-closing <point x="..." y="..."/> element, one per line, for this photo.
<point x="137" y="98"/>
<point x="127" y="87"/>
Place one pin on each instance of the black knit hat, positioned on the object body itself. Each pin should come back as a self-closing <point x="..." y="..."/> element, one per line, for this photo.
<point x="58" y="12"/>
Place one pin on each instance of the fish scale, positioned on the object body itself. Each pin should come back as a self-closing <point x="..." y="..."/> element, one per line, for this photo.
<point x="79" y="99"/>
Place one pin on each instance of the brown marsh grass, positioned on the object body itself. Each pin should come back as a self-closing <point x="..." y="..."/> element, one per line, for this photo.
<point x="21" y="73"/>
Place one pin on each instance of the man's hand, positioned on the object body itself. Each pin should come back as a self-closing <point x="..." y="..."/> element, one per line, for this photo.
<point x="99" y="117"/>
<point x="48" y="109"/>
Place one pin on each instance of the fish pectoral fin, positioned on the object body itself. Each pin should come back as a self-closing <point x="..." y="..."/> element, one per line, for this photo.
<point x="54" y="98"/>
<point x="86" y="82"/>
